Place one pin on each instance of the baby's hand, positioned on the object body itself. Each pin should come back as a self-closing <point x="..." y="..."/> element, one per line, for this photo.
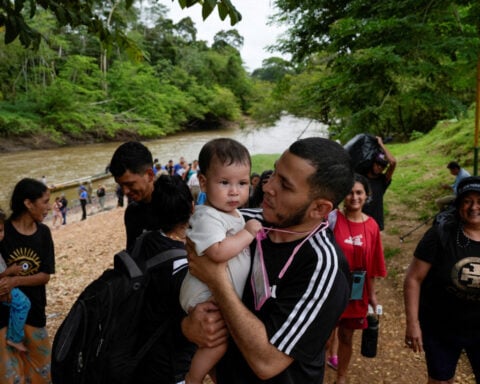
<point x="253" y="226"/>
<point x="13" y="270"/>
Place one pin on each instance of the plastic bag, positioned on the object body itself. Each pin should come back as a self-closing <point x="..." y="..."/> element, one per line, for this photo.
<point x="362" y="149"/>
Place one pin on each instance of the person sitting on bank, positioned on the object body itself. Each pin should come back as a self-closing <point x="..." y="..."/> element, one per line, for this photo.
<point x="460" y="174"/>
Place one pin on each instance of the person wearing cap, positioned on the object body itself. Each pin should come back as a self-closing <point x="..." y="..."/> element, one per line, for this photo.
<point x="442" y="289"/>
<point x="379" y="177"/>
<point x="459" y="173"/>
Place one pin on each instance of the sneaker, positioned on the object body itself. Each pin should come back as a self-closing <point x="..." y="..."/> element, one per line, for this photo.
<point x="332" y="362"/>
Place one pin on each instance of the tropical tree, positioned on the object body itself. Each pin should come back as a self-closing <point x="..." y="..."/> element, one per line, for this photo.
<point x="273" y="69"/>
<point x="388" y="67"/>
<point x="75" y="86"/>
<point x="16" y="17"/>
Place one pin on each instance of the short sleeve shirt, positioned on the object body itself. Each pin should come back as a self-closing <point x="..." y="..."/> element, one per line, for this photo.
<point x="450" y="293"/>
<point x="35" y="253"/>
<point x="304" y="307"/>
<point x="210" y="226"/>
<point x="362" y="246"/>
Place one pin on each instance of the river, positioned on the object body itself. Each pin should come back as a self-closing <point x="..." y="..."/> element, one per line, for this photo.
<point x="70" y="163"/>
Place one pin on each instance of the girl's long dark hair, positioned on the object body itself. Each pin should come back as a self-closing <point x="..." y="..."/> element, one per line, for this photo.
<point x="26" y="189"/>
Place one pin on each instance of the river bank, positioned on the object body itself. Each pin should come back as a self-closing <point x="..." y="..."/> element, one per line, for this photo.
<point x="45" y="140"/>
<point x="85" y="248"/>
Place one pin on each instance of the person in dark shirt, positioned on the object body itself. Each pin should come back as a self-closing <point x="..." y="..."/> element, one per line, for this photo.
<point x="131" y="166"/>
<point x="168" y="360"/>
<point x="28" y="242"/>
<point x="379" y="177"/>
<point x="64" y="202"/>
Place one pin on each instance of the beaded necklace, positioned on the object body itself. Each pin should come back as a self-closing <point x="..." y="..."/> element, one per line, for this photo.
<point x="466" y="239"/>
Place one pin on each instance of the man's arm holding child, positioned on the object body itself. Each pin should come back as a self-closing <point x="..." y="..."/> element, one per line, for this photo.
<point x="247" y="330"/>
<point x="205" y="326"/>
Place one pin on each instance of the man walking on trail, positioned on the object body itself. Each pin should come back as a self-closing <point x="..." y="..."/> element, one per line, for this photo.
<point x="131" y="166"/>
<point x="459" y="174"/>
<point x="379" y="177"/>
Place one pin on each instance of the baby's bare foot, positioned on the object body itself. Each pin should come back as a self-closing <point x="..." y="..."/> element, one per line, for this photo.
<point x="19" y="346"/>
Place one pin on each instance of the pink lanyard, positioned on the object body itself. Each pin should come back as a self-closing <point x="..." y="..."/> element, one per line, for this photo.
<point x="259" y="277"/>
<point x="322" y="225"/>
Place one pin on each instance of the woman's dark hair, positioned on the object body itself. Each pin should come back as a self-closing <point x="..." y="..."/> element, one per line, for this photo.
<point x="26" y="189"/>
<point x="357" y="178"/>
<point x="257" y="196"/>
<point x="172" y="201"/>
<point x="3" y="216"/>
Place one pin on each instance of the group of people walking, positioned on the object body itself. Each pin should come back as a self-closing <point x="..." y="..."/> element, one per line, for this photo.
<point x="263" y="288"/>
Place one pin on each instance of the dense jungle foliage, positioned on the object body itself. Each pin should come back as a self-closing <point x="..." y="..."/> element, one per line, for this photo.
<point x="75" y="86"/>
<point x="388" y="67"/>
<point x="391" y="68"/>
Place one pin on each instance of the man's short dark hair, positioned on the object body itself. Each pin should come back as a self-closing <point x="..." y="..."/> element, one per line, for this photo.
<point x="131" y="156"/>
<point x="453" y="165"/>
<point x="333" y="178"/>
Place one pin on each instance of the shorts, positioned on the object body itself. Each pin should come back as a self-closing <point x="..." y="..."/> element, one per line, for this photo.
<point x="353" y="322"/>
<point x="443" y="351"/>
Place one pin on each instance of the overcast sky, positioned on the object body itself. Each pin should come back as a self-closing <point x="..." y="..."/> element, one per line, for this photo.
<point x="253" y="27"/>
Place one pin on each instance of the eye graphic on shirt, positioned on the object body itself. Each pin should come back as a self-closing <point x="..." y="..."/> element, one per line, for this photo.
<point x="466" y="275"/>
<point x="27" y="258"/>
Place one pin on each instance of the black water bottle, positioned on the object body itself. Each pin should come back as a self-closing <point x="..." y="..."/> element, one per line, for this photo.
<point x="370" y="337"/>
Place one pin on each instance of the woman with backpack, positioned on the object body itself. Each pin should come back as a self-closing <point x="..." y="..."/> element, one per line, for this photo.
<point x="441" y="289"/>
<point x="169" y="358"/>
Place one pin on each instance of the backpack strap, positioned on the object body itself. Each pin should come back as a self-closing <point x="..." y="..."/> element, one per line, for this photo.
<point x="122" y="260"/>
<point x="128" y="262"/>
<point x="151" y="263"/>
<point x="165" y="256"/>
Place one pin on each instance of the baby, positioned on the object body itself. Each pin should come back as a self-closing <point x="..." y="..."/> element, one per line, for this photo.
<point x="219" y="232"/>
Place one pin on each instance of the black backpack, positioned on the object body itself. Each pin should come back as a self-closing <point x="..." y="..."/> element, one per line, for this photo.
<point x="100" y="192"/>
<point x="98" y="342"/>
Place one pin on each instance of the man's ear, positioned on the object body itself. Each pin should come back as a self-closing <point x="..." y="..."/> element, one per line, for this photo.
<point x="320" y="208"/>
<point x="150" y="174"/>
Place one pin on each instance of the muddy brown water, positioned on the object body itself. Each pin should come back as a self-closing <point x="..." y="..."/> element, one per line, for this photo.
<point x="70" y="163"/>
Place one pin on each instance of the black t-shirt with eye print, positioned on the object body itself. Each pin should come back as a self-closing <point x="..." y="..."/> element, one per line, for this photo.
<point x="35" y="253"/>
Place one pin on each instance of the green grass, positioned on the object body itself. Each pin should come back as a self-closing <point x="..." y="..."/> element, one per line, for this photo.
<point x="422" y="165"/>
<point x="262" y="163"/>
<point x="391" y="252"/>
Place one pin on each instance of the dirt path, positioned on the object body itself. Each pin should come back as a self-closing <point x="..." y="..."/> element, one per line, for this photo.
<point x="85" y="248"/>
